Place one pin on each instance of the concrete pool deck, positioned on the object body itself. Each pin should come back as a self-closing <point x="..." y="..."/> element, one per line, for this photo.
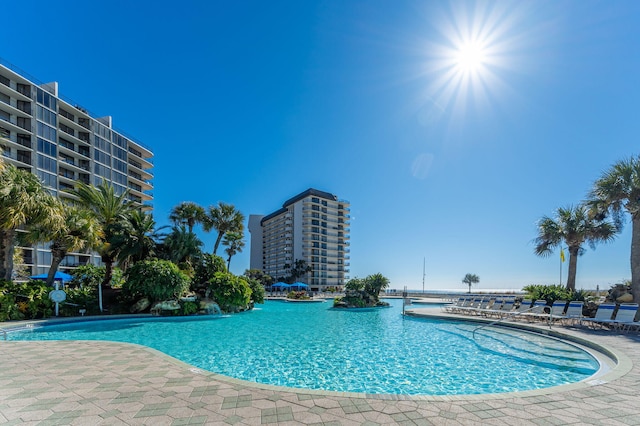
<point x="104" y="383"/>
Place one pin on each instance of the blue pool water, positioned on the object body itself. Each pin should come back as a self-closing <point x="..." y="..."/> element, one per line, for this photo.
<point x="309" y="345"/>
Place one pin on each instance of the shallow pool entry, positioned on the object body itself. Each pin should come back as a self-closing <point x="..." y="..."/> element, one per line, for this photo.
<point x="377" y="351"/>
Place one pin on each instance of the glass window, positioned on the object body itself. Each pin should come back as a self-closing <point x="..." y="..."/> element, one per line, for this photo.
<point x="47" y="163"/>
<point x="101" y="157"/>
<point x="120" y="165"/>
<point x="46" y="132"/>
<point x="46" y="147"/>
<point x="120" y="153"/>
<point x="47" y="178"/>
<point x="119" y="178"/>
<point x="102" y="144"/>
<point x="47" y="100"/>
<point x="46" y="116"/>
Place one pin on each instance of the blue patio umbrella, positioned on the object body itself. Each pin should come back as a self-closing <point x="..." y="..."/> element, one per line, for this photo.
<point x="280" y="285"/>
<point x="299" y="286"/>
<point x="59" y="276"/>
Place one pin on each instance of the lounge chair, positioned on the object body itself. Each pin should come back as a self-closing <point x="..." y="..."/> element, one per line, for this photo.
<point x="536" y="311"/>
<point x="557" y="310"/>
<point x="523" y="306"/>
<point x="573" y="314"/>
<point x="603" y="315"/>
<point x="484" y="305"/>
<point x="500" y="309"/>
<point x="625" y="316"/>
<point x="457" y="304"/>
<point x="473" y="304"/>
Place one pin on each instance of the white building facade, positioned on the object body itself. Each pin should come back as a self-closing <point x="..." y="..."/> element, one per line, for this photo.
<point x="312" y="226"/>
<point x="62" y="143"/>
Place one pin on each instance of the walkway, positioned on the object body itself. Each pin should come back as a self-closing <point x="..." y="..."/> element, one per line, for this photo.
<point x="100" y="383"/>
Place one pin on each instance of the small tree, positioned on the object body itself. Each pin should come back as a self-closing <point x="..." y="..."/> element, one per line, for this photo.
<point x="299" y="269"/>
<point x="257" y="289"/>
<point x="231" y="293"/>
<point x="155" y="279"/>
<point x="265" y="279"/>
<point x="374" y="284"/>
<point x="470" y="279"/>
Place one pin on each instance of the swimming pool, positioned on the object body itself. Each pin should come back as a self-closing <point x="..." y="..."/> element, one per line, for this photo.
<point x="375" y="351"/>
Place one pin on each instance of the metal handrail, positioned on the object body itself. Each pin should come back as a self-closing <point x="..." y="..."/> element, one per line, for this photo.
<point x="4" y="332"/>
<point x="511" y="314"/>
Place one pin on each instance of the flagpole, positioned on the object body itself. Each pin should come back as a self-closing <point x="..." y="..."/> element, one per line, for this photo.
<point x="561" y="262"/>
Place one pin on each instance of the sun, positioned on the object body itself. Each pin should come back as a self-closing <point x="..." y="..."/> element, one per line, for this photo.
<point x="470" y="57"/>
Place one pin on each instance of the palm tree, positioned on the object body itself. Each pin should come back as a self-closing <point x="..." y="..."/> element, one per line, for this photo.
<point x="471" y="279"/>
<point x="618" y="191"/>
<point x="223" y="218"/>
<point x="140" y="240"/>
<point x="80" y="230"/>
<point x="374" y="284"/>
<point x="572" y="226"/>
<point x="111" y="211"/>
<point x="187" y="213"/>
<point x="181" y="246"/>
<point x="234" y="243"/>
<point x="23" y="201"/>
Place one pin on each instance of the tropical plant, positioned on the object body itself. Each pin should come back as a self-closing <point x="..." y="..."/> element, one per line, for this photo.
<point x="181" y="246"/>
<point x="470" y="279"/>
<point x="572" y="226"/>
<point x="374" y="284"/>
<point x="85" y="297"/>
<point x="234" y="243"/>
<point x="24" y="300"/>
<point x="223" y="218"/>
<point x="156" y="280"/>
<point x="207" y="266"/>
<point x="232" y="293"/>
<point x="23" y="201"/>
<point x="111" y="211"/>
<point x="615" y="193"/>
<point x="89" y="276"/>
<point x="265" y="279"/>
<point x="140" y="241"/>
<point x="355" y="284"/>
<point x="78" y="231"/>
<point x="299" y="269"/>
<point x="551" y="293"/>
<point x="257" y="290"/>
<point x="187" y="213"/>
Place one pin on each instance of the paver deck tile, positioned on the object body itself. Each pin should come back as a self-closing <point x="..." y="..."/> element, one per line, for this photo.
<point x="135" y="385"/>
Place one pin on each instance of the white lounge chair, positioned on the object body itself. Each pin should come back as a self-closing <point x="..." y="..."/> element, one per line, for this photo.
<point x="573" y="314"/>
<point x="603" y="315"/>
<point x="535" y="312"/>
<point x="625" y="316"/>
<point x="557" y="310"/>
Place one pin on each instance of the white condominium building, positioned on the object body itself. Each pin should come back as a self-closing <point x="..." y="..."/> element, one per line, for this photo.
<point x="62" y="143"/>
<point x="312" y="226"/>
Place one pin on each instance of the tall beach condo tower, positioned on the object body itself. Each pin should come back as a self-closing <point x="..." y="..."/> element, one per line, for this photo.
<point x="312" y="226"/>
<point x="62" y="143"/>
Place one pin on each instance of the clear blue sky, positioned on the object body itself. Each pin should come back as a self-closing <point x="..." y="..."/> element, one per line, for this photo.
<point x="443" y="158"/>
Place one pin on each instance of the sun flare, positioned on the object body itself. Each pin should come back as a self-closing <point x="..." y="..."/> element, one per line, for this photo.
<point x="470" y="57"/>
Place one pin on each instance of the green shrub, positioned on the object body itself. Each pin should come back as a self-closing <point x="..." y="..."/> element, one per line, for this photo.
<point x="229" y="292"/>
<point x="188" y="307"/>
<point x="207" y="266"/>
<point x="156" y="280"/>
<point x="80" y="298"/>
<point x="257" y="289"/>
<point x="551" y="293"/>
<point x="26" y="300"/>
